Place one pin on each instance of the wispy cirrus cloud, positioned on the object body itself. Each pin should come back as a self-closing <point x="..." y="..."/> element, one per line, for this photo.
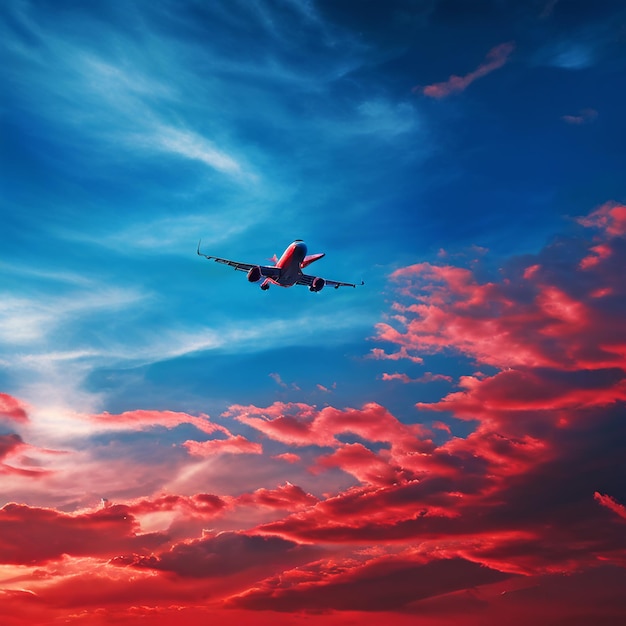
<point x="186" y="144"/>
<point x="30" y="320"/>
<point x="495" y="59"/>
<point x="140" y="420"/>
<point x="116" y="100"/>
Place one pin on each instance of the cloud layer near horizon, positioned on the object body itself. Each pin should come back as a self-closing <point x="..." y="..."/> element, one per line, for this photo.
<point x="337" y="510"/>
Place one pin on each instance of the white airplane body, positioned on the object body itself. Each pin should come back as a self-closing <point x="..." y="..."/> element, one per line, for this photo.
<point x="287" y="270"/>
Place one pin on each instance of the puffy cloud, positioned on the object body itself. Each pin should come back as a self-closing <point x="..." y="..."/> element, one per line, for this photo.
<point x="300" y="424"/>
<point x="32" y="535"/>
<point x="365" y="465"/>
<point x="204" y="503"/>
<point x="494" y="60"/>
<point x="557" y="310"/>
<point x="516" y="493"/>
<point x="438" y="530"/>
<point x="286" y="496"/>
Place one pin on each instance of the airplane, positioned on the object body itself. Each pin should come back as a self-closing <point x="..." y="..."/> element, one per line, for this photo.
<point x="287" y="270"/>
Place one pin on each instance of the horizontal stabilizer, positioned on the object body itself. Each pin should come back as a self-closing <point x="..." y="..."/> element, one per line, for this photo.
<point x="312" y="257"/>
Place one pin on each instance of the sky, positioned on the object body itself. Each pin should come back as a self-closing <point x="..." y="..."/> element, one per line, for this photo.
<point x="442" y="445"/>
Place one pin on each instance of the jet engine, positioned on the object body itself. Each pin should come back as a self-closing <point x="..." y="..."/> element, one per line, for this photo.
<point x="254" y="274"/>
<point x="317" y="284"/>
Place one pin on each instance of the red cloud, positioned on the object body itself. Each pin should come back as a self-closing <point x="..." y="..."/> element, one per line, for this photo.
<point x="495" y="59"/>
<point x="560" y="348"/>
<point x="142" y="420"/>
<point x="434" y="532"/>
<point x="505" y="503"/>
<point x="290" y="457"/>
<point x="233" y="445"/>
<point x="611" y="504"/>
<point x="610" y="218"/>
<point x="365" y="465"/>
<point x="560" y="315"/>
<point x="304" y="425"/>
<point x="12" y="408"/>
<point x="442" y="426"/>
<point x="33" y="535"/>
<point x="541" y="390"/>
<point x="101" y="594"/>
<point x="203" y="503"/>
<point x="286" y="497"/>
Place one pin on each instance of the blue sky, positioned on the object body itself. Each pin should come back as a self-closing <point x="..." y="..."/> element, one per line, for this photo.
<point x="390" y="134"/>
<point x="133" y="130"/>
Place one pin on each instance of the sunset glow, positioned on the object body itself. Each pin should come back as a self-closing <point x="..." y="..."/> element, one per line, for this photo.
<point x="441" y="446"/>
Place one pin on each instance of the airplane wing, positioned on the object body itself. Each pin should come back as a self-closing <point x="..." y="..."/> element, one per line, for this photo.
<point x="305" y="279"/>
<point x="267" y="271"/>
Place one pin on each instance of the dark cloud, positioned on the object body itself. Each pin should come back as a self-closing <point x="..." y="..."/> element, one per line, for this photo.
<point x="9" y="443"/>
<point x="388" y="584"/>
<point x="226" y="554"/>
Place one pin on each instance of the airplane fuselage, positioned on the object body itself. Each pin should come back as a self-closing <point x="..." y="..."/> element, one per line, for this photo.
<point x="290" y="263"/>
